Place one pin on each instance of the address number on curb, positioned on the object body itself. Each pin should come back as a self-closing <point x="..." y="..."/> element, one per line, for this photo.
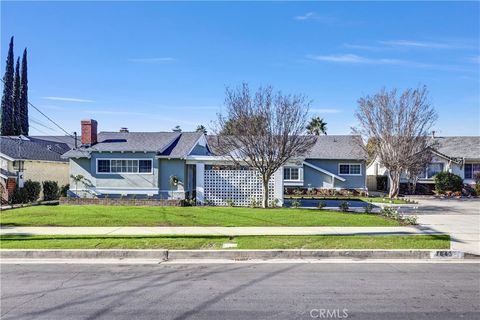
<point x="446" y="254"/>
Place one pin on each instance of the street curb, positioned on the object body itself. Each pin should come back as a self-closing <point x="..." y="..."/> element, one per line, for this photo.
<point x="164" y="255"/>
<point x="82" y="254"/>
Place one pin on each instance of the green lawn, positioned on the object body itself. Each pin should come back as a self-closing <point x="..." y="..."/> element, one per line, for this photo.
<point x="366" y="199"/>
<point x="215" y="242"/>
<point x="105" y="216"/>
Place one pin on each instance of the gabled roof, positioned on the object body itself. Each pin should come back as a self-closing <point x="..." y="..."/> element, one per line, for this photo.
<point x="347" y="147"/>
<point x="459" y="147"/>
<point x="173" y="144"/>
<point x="45" y="148"/>
<point x="68" y="140"/>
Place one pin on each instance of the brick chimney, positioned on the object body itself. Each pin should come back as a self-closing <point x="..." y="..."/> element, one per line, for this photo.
<point x="89" y="132"/>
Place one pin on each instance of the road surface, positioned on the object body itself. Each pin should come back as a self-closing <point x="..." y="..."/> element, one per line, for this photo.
<point x="241" y="291"/>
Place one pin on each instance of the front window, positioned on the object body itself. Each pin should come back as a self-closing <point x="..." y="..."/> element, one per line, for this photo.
<point x="124" y="166"/>
<point x="471" y="169"/>
<point x="291" y="173"/>
<point x="350" y="169"/>
<point x="103" y="166"/>
<point x="433" y="169"/>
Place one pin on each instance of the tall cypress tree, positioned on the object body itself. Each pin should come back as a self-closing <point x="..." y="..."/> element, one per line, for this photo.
<point x="23" y="105"/>
<point x="17" y="128"/>
<point x="6" y="122"/>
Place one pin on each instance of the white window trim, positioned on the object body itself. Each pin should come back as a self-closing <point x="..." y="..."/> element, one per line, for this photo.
<point x="121" y="173"/>
<point x="300" y="174"/>
<point x="349" y="164"/>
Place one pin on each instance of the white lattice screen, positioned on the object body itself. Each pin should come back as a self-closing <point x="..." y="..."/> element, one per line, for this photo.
<point x="238" y="185"/>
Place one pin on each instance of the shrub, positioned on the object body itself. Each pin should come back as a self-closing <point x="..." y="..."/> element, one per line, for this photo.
<point x="382" y="182"/>
<point x="29" y="192"/>
<point x="253" y="202"/>
<point x="230" y="202"/>
<point x="321" y="204"/>
<point x="477" y="183"/>
<point x="188" y="202"/>
<point x="295" y="204"/>
<point x="447" y="181"/>
<point x="274" y="203"/>
<point x="50" y="190"/>
<point x="344" y="206"/>
<point x="368" y="208"/>
<point x="32" y="189"/>
<point x="395" y="215"/>
<point x="64" y="190"/>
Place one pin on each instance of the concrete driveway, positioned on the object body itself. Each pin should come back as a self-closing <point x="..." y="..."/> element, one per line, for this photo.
<point x="458" y="217"/>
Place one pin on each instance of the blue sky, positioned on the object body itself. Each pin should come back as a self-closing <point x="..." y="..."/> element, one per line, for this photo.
<point x="150" y="66"/>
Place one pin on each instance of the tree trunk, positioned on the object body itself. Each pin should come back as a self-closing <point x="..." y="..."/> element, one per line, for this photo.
<point x="265" y="192"/>
<point x="394" y="179"/>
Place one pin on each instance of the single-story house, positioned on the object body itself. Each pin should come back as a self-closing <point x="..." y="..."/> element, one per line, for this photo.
<point x="457" y="154"/>
<point x="181" y="165"/>
<point x="36" y="158"/>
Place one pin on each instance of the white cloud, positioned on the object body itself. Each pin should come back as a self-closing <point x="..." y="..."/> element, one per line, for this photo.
<point x="67" y="99"/>
<point x="361" y="60"/>
<point x="325" y="110"/>
<point x="153" y="60"/>
<point x="353" y="59"/>
<point x="421" y="44"/>
<point x="318" y="18"/>
<point x="363" y="47"/>
<point x="307" y="16"/>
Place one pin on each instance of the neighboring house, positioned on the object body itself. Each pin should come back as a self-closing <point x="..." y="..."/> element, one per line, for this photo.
<point x="181" y="165"/>
<point x="334" y="162"/>
<point x="33" y="158"/>
<point x="456" y="154"/>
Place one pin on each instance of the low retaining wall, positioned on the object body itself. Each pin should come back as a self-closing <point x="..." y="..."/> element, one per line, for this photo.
<point x="120" y="202"/>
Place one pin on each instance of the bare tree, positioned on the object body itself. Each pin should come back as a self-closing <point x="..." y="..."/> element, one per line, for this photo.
<point x="417" y="163"/>
<point x="400" y="125"/>
<point x="265" y="129"/>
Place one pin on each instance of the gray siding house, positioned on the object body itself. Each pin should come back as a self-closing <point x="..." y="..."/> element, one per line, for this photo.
<point x="179" y="165"/>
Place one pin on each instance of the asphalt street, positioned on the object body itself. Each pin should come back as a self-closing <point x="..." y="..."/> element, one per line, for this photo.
<point x="241" y="291"/>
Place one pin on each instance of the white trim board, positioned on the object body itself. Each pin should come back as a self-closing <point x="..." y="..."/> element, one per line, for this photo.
<point x="323" y="171"/>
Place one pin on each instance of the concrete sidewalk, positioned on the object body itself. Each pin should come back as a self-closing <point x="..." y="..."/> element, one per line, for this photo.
<point x="220" y="231"/>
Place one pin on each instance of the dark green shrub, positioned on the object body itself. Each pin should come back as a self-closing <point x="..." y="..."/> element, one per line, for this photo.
<point x="447" y="181"/>
<point x="32" y="190"/>
<point x="382" y="183"/>
<point x="18" y="196"/>
<point x="29" y="193"/>
<point x="64" y="190"/>
<point x="51" y="191"/>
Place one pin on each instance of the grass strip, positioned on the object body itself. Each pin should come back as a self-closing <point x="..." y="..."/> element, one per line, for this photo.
<point x="216" y="242"/>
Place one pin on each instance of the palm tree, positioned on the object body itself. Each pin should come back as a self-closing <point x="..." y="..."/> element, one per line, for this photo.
<point x="201" y="128"/>
<point x="76" y="179"/>
<point x="317" y="126"/>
